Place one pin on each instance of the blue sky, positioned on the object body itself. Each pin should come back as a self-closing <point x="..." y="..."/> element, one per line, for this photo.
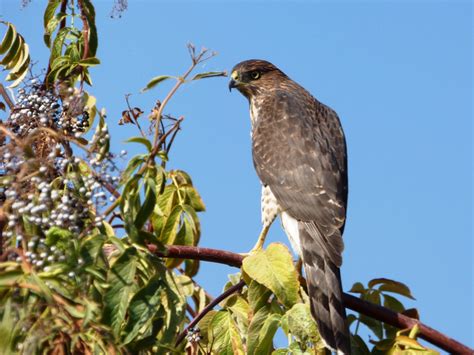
<point x="398" y="73"/>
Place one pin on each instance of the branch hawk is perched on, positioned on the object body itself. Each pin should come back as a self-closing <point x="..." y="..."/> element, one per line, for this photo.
<point x="299" y="152"/>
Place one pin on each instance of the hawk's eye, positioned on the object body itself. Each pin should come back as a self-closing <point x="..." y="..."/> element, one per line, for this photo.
<point x="255" y="75"/>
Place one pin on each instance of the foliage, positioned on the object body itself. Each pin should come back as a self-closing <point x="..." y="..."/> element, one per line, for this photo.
<point x="16" y="56"/>
<point x="76" y="271"/>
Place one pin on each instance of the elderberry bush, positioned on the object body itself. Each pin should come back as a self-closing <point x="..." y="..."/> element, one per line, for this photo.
<point x="46" y="186"/>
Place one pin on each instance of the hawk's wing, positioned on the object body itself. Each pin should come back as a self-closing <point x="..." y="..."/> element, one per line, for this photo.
<point x="299" y="152"/>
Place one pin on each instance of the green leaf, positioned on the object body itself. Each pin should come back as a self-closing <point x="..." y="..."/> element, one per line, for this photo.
<point x="133" y="164"/>
<point x="358" y="346"/>
<point x="374" y="325"/>
<point x="300" y="323"/>
<point x="51" y="27"/>
<point x="10" y="277"/>
<point x="392" y="303"/>
<point x="58" y="237"/>
<point x="186" y="285"/>
<point x="140" y="140"/>
<point x="226" y="338"/>
<point x="281" y="351"/>
<point x="185" y="236"/>
<point x="122" y="285"/>
<point x="168" y="233"/>
<point x="155" y="81"/>
<point x="13" y="50"/>
<point x="91" y="248"/>
<point x="7" y="40"/>
<point x="58" y="43"/>
<point x="130" y="201"/>
<point x="192" y="218"/>
<point x="350" y="319"/>
<point x="191" y="267"/>
<point x="257" y="295"/>
<point x="210" y="74"/>
<point x="89" y="62"/>
<point x="358" y="288"/>
<point x="9" y="329"/>
<point x="195" y="200"/>
<point x="148" y="205"/>
<point x="44" y="291"/>
<point x="204" y="325"/>
<point x="295" y="349"/>
<point x="143" y="306"/>
<point x="262" y="328"/>
<point x="274" y="269"/>
<point x="239" y="307"/>
<point x="49" y="12"/>
<point x="388" y="285"/>
<point x="19" y="74"/>
<point x="19" y="60"/>
<point x="373" y="296"/>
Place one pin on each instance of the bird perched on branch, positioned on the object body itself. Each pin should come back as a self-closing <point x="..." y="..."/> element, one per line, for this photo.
<point x="299" y="153"/>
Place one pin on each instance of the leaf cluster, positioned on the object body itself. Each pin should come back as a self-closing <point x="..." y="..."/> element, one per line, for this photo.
<point x="16" y="55"/>
<point x="73" y="48"/>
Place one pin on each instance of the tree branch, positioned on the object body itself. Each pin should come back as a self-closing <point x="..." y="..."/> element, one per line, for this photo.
<point x="403" y="322"/>
<point x="198" y="253"/>
<point x="356" y="304"/>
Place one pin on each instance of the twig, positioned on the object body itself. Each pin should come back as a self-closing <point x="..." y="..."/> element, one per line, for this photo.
<point x="6" y="97"/>
<point x="190" y="310"/>
<point x="133" y="116"/>
<point x="180" y="81"/>
<point x="374" y="311"/>
<point x="85" y="29"/>
<point x="208" y="308"/>
<point x="168" y="148"/>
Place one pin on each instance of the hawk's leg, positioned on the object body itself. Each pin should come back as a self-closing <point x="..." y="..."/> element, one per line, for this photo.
<point x="270" y="210"/>
<point x="261" y="238"/>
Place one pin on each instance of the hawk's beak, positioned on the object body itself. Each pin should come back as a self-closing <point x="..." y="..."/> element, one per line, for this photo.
<point x="234" y="80"/>
<point x="232" y="84"/>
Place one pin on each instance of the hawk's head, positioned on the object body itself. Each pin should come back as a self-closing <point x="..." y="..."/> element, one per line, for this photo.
<point x="253" y="76"/>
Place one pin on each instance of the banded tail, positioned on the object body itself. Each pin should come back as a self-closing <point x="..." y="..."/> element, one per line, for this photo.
<point x="325" y="291"/>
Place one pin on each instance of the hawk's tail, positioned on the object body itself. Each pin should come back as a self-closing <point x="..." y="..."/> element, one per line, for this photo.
<point x="325" y="292"/>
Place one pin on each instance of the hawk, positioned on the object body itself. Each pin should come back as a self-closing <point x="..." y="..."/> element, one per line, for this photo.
<point x="299" y="153"/>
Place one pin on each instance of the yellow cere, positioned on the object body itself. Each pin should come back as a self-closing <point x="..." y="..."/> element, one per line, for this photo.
<point x="235" y="75"/>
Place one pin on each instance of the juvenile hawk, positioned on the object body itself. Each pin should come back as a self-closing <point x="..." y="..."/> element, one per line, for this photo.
<point x="299" y="152"/>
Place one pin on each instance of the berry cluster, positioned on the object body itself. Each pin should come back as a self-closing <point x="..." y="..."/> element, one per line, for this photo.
<point x="41" y="189"/>
<point x="39" y="107"/>
<point x="193" y="335"/>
